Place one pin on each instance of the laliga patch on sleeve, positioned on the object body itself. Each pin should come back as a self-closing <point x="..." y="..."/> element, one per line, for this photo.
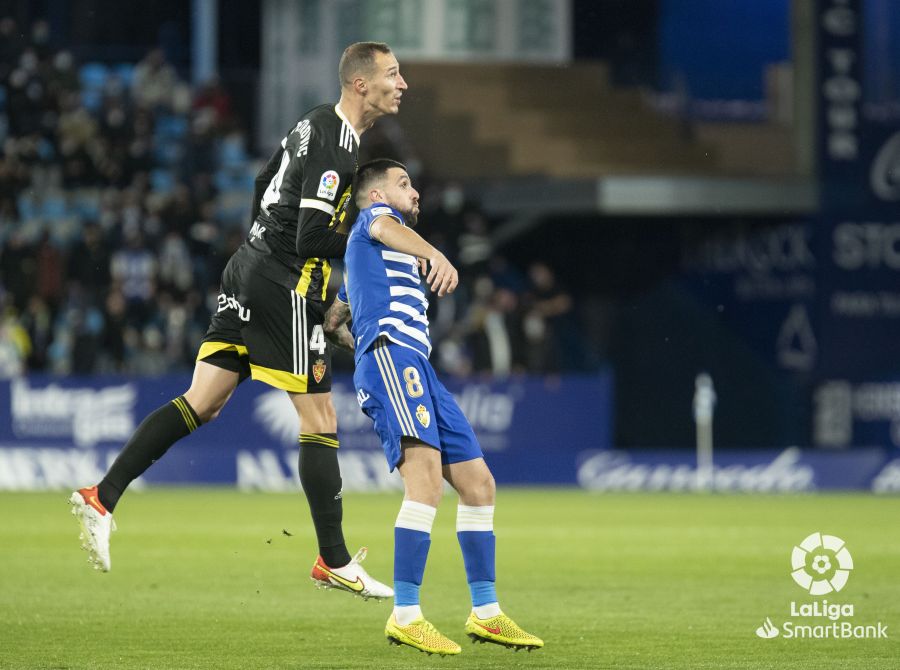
<point x="328" y="185"/>
<point x="381" y="211"/>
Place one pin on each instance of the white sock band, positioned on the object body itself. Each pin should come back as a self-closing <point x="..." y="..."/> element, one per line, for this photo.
<point x="416" y="516"/>
<point x="475" y="518"/>
<point x="487" y="611"/>
<point x="406" y="614"/>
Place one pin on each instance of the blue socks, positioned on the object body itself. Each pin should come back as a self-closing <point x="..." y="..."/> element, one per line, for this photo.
<point x="412" y="539"/>
<point x="475" y="532"/>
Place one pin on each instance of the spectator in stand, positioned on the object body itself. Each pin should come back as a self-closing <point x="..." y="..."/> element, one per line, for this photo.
<point x="61" y="76"/>
<point x="39" y="41"/>
<point x="23" y="105"/>
<point x="11" y="46"/>
<point x="37" y="320"/>
<point x="154" y="82"/>
<point x="14" y="346"/>
<point x="200" y="152"/>
<point x="176" y="275"/>
<point x="134" y="269"/>
<point x="14" y="178"/>
<point x="180" y="212"/>
<point x="90" y="264"/>
<point x="114" y="331"/>
<point x="50" y="271"/>
<point x="213" y="99"/>
<point x="548" y="307"/>
<point x="475" y="246"/>
<point x="493" y="330"/>
<point x="18" y="270"/>
<point x="75" y="132"/>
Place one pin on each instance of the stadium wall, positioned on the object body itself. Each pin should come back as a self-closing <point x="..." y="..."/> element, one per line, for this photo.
<point x="58" y="433"/>
<point x="62" y="432"/>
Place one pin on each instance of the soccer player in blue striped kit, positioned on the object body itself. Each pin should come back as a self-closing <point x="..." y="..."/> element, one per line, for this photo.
<point x="423" y="432"/>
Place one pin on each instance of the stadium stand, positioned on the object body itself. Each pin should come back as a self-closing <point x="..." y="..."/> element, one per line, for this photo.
<point x="123" y="191"/>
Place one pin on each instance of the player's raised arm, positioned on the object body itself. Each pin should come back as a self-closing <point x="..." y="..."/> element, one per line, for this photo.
<point x="442" y="276"/>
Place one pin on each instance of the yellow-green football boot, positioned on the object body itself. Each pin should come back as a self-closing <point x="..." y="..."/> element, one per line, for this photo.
<point x="421" y="635"/>
<point x="501" y="630"/>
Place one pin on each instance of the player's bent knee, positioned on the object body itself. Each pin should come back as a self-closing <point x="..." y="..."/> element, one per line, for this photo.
<point x="476" y="486"/>
<point x="210" y="390"/>
<point x="483" y="490"/>
<point x="207" y="403"/>
<point x="206" y="410"/>
<point x="423" y="490"/>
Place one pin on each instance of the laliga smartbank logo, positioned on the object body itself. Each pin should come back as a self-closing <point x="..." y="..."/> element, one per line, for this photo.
<point x="821" y="565"/>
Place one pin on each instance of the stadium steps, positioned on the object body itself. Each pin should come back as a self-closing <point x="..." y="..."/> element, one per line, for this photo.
<point x="761" y="149"/>
<point x="446" y="141"/>
<point x="476" y="120"/>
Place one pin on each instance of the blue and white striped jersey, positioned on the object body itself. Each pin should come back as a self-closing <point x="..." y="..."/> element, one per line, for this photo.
<point x="385" y="291"/>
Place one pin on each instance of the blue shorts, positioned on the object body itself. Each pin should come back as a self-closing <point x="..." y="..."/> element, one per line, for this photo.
<point x="397" y="388"/>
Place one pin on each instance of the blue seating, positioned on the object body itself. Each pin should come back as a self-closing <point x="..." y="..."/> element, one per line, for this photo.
<point x="125" y="71"/>
<point x="86" y="207"/>
<point x="162" y="181"/>
<point x="93" y="76"/>
<point x="168" y="152"/>
<point x="232" y="154"/>
<point x="91" y="99"/>
<point x="54" y="207"/>
<point x="27" y="208"/>
<point x="170" y="127"/>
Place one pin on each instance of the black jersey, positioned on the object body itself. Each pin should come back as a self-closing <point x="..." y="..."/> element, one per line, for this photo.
<point x="313" y="168"/>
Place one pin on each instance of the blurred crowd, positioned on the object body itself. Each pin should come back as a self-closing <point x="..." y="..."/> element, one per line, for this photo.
<point x="124" y="190"/>
<point x="502" y="320"/>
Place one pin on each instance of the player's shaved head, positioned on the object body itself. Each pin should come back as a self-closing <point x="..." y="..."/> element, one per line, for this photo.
<point x="359" y="59"/>
<point x="371" y="175"/>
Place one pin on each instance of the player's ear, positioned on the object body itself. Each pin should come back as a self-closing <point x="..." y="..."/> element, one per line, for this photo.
<point x="360" y="86"/>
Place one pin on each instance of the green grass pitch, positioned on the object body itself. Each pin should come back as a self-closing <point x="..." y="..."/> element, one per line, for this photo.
<point x="208" y="579"/>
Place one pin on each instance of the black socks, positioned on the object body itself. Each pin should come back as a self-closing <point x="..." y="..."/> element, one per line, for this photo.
<point x="159" y="431"/>
<point x="320" y="476"/>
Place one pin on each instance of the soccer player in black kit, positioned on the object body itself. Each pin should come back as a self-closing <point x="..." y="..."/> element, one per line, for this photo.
<point x="268" y="323"/>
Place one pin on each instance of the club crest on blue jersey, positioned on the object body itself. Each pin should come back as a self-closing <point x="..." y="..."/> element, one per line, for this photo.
<point x="423" y="415"/>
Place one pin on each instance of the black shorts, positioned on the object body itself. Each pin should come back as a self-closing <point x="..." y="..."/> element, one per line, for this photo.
<point x="268" y="330"/>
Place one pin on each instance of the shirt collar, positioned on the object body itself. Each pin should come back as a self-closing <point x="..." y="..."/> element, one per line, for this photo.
<point x="340" y="113"/>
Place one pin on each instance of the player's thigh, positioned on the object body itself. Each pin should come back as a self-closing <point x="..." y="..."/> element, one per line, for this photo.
<point x="222" y="361"/>
<point x="420" y="468"/>
<point x="458" y="440"/>
<point x="211" y="387"/>
<point x="400" y="409"/>
<point x="316" y="412"/>
<point x="285" y="338"/>
<point x="223" y="344"/>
